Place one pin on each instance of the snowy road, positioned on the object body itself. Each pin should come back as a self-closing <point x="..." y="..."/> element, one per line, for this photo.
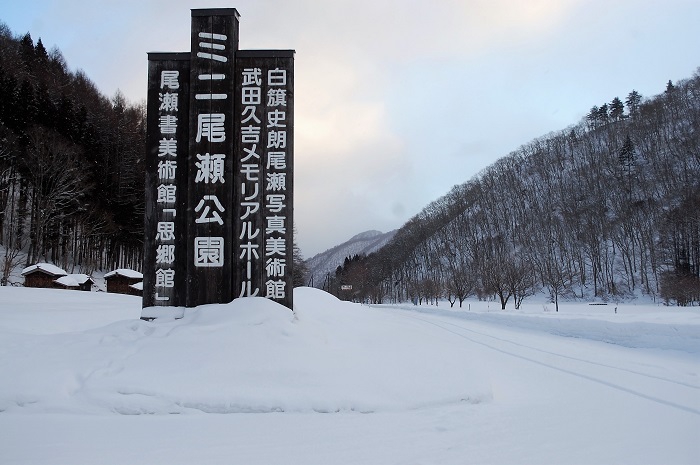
<point x="547" y="399"/>
<point x="671" y="379"/>
<point x="601" y="402"/>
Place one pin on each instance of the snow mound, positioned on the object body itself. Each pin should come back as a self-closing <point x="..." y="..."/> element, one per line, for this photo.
<point x="251" y="355"/>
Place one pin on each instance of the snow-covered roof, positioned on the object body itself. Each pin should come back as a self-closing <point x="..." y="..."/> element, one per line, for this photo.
<point x="138" y="286"/>
<point x="80" y="278"/>
<point x="46" y="268"/>
<point x="127" y="273"/>
<point x="67" y="281"/>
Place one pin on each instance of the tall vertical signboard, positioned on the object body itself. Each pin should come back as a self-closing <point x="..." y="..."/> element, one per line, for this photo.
<point x="165" y="247"/>
<point x="210" y="216"/>
<point x="263" y="181"/>
<point x="219" y="184"/>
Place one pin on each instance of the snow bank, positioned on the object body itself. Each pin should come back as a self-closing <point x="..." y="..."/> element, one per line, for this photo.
<point x="251" y="355"/>
<point x="52" y="311"/>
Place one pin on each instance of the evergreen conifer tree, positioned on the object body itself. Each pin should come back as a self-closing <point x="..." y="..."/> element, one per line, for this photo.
<point x="616" y="109"/>
<point x="633" y="100"/>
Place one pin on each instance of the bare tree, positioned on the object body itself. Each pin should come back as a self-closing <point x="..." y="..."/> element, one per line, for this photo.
<point x="57" y="184"/>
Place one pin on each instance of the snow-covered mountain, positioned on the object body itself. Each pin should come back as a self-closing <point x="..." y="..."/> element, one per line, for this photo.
<point x="363" y="243"/>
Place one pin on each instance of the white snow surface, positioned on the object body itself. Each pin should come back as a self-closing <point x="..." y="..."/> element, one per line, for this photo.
<point x="84" y="380"/>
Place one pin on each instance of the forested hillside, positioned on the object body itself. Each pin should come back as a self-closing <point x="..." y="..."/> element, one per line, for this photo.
<point x="606" y="209"/>
<point x="71" y="164"/>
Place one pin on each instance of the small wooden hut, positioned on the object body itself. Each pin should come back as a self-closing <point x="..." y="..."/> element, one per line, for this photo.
<point x="118" y="281"/>
<point x="136" y="289"/>
<point x="86" y="282"/>
<point x="42" y="275"/>
<point x="66" y="282"/>
<point x="78" y="281"/>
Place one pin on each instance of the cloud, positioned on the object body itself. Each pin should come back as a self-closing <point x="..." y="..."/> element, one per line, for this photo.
<point x="397" y="100"/>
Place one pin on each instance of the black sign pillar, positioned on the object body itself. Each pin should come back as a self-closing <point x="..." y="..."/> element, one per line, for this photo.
<point x="165" y="244"/>
<point x="219" y="186"/>
<point x="263" y="182"/>
<point x="210" y="217"/>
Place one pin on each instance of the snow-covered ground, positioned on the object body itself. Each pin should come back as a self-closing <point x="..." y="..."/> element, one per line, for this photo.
<point x="84" y="381"/>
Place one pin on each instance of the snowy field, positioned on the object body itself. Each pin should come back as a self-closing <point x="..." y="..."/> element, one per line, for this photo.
<point x="85" y="381"/>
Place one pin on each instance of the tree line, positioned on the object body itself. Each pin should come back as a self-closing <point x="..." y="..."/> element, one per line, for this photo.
<point x="72" y="170"/>
<point x="606" y="209"/>
<point x="71" y="164"/>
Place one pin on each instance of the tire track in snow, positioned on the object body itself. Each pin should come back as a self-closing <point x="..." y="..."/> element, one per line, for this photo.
<point x="564" y="370"/>
<point x="660" y="378"/>
<point x="627" y="370"/>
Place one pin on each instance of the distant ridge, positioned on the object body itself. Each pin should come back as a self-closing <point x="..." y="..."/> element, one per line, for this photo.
<point x="363" y="243"/>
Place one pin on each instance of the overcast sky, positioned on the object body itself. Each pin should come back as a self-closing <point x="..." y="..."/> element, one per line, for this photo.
<point x="397" y="101"/>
